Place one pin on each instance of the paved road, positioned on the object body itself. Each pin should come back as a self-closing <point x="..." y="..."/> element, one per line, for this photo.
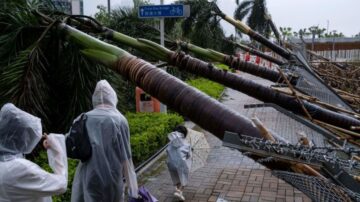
<point x="228" y="175"/>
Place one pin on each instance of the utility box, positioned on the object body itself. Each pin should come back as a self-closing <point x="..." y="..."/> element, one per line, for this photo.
<point x="145" y="102"/>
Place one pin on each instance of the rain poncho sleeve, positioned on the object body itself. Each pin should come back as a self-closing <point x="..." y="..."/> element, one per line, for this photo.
<point x="20" y="179"/>
<point x="179" y="161"/>
<point x="101" y="177"/>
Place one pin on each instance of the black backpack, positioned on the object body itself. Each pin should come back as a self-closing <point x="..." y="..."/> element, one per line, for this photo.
<point x="77" y="142"/>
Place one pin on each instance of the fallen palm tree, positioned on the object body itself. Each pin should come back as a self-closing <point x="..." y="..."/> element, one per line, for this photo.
<point x="237" y="64"/>
<point x="310" y="83"/>
<point x="204" y="69"/>
<point x="257" y="53"/>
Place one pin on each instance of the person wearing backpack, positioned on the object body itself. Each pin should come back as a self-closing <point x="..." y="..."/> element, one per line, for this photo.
<point x="100" y="177"/>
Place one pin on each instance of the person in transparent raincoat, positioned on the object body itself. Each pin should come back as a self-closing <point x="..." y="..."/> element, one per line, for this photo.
<point x="179" y="161"/>
<point x="100" y="179"/>
<point x="22" y="180"/>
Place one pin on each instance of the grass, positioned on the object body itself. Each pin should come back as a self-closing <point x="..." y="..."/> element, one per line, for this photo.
<point x="211" y="88"/>
<point x="222" y="66"/>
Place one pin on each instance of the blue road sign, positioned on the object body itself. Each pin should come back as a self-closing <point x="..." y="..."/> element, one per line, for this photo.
<point x="164" y="11"/>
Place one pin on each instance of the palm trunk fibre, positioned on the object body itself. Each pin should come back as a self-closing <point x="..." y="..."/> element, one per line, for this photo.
<point x="260" y="92"/>
<point x="238" y="64"/>
<point x="200" y="108"/>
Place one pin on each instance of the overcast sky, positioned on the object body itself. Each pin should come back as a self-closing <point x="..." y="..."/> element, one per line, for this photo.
<point x="340" y="15"/>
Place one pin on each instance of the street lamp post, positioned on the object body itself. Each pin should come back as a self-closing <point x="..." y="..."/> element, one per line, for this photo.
<point x="109" y="6"/>
<point x="163" y="107"/>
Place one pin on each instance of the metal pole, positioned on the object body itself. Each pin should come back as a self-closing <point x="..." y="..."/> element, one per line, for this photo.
<point x="163" y="107"/>
<point x="162" y="27"/>
<point x="109" y="6"/>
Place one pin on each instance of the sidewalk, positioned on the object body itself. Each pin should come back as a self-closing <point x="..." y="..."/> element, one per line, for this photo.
<point x="227" y="176"/>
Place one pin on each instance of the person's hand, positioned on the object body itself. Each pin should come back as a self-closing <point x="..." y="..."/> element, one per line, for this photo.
<point x="45" y="142"/>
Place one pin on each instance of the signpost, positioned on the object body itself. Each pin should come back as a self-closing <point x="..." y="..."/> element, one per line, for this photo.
<point x="162" y="12"/>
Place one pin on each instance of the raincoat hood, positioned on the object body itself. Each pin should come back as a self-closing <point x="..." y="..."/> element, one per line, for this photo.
<point x="20" y="132"/>
<point x="176" y="139"/>
<point x="104" y="95"/>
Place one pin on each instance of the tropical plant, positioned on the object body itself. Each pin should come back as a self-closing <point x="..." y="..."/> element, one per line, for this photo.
<point x="334" y="34"/>
<point x="43" y="75"/>
<point x="201" y="27"/>
<point x="317" y="32"/>
<point x="257" y="15"/>
<point x="102" y="15"/>
<point x="304" y="33"/>
<point x="286" y="32"/>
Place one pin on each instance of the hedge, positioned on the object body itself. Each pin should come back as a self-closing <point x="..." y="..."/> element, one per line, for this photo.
<point x="148" y="133"/>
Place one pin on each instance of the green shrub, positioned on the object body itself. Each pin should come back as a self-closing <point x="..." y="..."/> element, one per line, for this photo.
<point x="211" y="88"/>
<point x="149" y="133"/>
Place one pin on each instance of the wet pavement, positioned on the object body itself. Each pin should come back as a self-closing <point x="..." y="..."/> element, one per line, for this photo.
<point x="228" y="175"/>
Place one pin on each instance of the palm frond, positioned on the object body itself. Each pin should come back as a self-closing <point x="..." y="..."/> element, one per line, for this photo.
<point x="243" y="9"/>
<point x="49" y="78"/>
<point x="239" y="15"/>
<point x="22" y="83"/>
<point x="257" y="19"/>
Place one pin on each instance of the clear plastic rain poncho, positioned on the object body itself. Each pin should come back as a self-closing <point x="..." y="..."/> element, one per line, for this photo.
<point x="179" y="161"/>
<point x="20" y="179"/>
<point x="101" y="177"/>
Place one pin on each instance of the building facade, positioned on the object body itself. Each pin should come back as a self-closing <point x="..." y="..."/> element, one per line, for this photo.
<point x="337" y="49"/>
<point x="74" y="7"/>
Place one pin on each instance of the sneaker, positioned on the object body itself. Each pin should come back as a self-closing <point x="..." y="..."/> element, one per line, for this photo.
<point x="178" y="194"/>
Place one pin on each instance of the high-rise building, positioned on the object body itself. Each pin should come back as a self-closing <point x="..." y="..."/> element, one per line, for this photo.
<point x="75" y="7"/>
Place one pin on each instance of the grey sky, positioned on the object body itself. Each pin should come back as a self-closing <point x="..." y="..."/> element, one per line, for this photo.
<point x="342" y="15"/>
